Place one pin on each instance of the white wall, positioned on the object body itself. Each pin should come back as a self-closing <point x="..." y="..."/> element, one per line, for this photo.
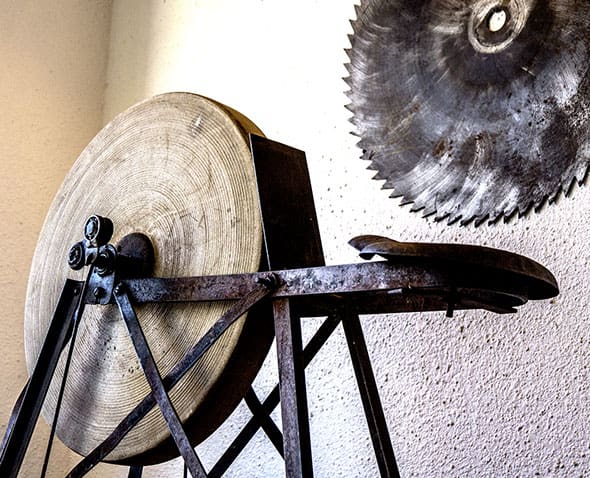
<point x="475" y="395"/>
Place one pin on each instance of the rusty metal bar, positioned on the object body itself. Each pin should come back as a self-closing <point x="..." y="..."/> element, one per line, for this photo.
<point x="368" y="278"/>
<point x="272" y="400"/>
<point x="26" y="412"/>
<point x="294" y="414"/>
<point x="135" y="471"/>
<point x="339" y="279"/>
<point x="264" y="420"/>
<point x="238" y="309"/>
<point x="148" y="364"/>
<point x="369" y="393"/>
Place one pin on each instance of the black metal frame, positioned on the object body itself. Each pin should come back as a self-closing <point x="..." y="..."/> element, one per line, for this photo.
<point x="300" y="285"/>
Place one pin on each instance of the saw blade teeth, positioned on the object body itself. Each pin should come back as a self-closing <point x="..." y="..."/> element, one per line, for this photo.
<point x="525" y="208"/>
<point x="552" y="198"/>
<point x="584" y="175"/>
<point x="454" y="218"/>
<point x="466" y="221"/>
<point x="380" y="177"/>
<point x="368" y="156"/>
<point x="416" y="207"/>
<point x="460" y="144"/>
<point x="507" y="217"/>
<point x="428" y="212"/>
<point x="546" y="200"/>
<point x="441" y="216"/>
<point x="405" y="200"/>
<point x="358" y="10"/>
<point x="355" y="121"/>
<point x="478" y="221"/>
<point x="570" y="189"/>
<point x="364" y="147"/>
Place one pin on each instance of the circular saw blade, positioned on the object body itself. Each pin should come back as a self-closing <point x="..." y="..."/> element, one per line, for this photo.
<point x="472" y="110"/>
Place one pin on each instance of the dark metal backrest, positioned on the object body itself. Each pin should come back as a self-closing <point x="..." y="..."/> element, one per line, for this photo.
<point x="290" y="225"/>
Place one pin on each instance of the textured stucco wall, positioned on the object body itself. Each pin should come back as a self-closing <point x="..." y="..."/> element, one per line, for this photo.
<point x="477" y="395"/>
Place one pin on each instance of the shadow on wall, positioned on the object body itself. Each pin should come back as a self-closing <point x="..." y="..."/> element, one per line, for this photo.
<point x="130" y="53"/>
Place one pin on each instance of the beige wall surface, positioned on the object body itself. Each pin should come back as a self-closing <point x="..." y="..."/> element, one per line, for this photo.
<point x="479" y="395"/>
<point x="52" y="83"/>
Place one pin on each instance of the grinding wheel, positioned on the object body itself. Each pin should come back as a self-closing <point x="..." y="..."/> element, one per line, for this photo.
<point x="178" y="169"/>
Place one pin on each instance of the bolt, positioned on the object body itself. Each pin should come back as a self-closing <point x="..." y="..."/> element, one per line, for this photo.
<point x="104" y="263"/>
<point x="99" y="292"/>
<point x="269" y="280"/>
<point x="119" y="288"/>
<point x="76" y="256"/>
<point x="91" y="228"/>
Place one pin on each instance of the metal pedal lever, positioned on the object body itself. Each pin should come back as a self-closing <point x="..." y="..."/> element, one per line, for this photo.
<point x="265" y="286"/>
<point x="154" y="379"/>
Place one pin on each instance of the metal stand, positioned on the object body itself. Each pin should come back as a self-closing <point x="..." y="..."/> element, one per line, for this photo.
<point x="300" y="285"/>
<point x="28" y="406"/>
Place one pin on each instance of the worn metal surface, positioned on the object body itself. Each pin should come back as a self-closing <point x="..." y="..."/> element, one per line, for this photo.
<point x="529" y="280"/>
<point x="208" y="340"/>
<point x="28" y="406"/>
<point x="369" y="393"/>
<point x="135" y="256"/>
<point x="272" y="400"/>
<point x="290" y="224"/>
<point x="463" y="256"/>
<point x="294" y="408"/>
<point x="472" y="109"/>
<point x="150" y="369"/>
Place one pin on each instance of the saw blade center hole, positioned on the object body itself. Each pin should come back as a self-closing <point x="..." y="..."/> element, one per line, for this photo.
<point x="494" y="24"/>
<point x="497" y="19"/>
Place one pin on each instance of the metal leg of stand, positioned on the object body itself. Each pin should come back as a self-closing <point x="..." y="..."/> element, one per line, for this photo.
<point x="296" y="439"/>
<point x="26" y="412"/>
<point x="369" y="395"/>
<point x="135" y="471"/>
<point x="272" y="400"/>
<point x="264" y="420"/>
<point x="154" y="379"/>
<point x="239" y="308"/>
